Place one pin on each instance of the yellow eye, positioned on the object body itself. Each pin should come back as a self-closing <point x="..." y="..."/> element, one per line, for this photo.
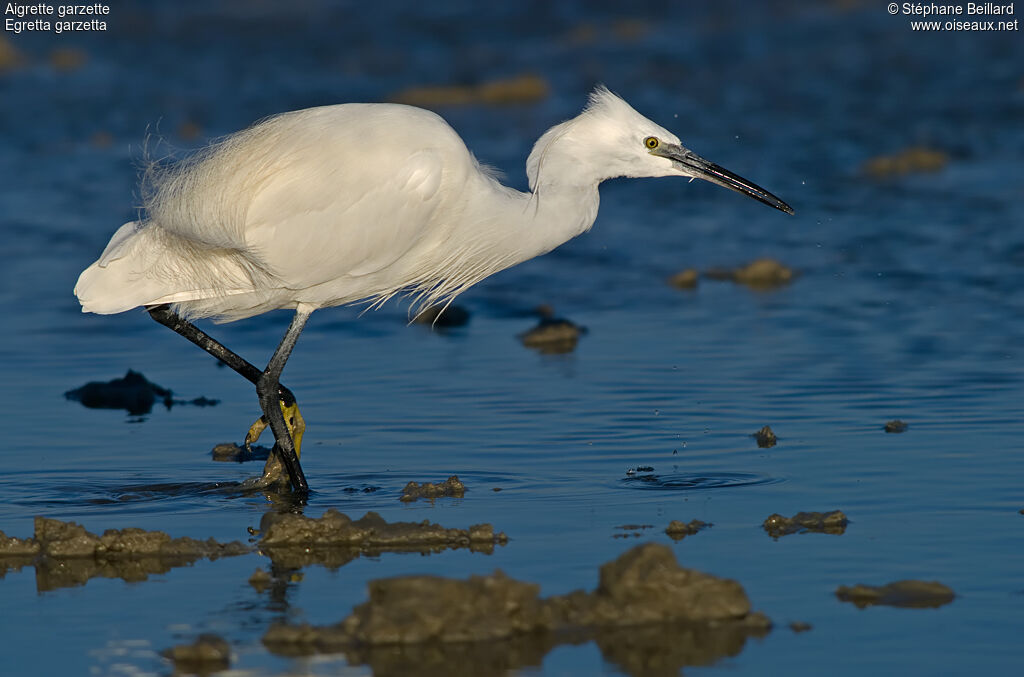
<point x="651" y="142"/>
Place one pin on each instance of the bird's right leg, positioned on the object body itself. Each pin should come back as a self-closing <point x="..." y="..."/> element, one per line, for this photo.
<point x="268" y="388"/>
<point x="274" y="468"/>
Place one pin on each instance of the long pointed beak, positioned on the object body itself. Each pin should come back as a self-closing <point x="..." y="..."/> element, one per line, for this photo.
<point x="696" y="166"/>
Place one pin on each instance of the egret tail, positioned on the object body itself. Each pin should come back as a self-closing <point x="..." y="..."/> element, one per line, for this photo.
<point x="146" y="265"/>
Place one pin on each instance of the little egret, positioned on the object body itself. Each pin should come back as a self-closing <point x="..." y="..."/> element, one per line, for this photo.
<point x="357" y="203"/>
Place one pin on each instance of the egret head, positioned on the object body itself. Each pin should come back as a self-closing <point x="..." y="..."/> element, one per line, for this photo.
<point x="610" y="139"/>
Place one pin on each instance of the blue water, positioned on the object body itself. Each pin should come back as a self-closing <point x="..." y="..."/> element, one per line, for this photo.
<point x="906" y="306"/>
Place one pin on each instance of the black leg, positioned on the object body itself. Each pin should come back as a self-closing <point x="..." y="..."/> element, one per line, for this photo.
<point x="165" y="316"/>
<point x="268" y="388"/>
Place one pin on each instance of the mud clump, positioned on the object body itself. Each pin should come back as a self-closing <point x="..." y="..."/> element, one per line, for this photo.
<point x="765" y="437"/>
<point x="10" y="57"/>
<point x="913" y="160"/>
<point x="678" y="530"/>
<point x="909" y="594"/>
<point x="207" y="655"/>
<point x="229" y="452"/>
<point x="895" y="426"/>
<point x="443" y="317"/>
<point x="11" y="546"/>
<point x="758" y="274"/>
<point x="65" y="554"/>
<point x="552" y="335"/>
<point x="335" y="539"/>
<point x="67" y="539"/>
<point x="16" y="553"/>
<point x="427" y="624"/>
<point x="527" y="88"/>
<point x="833" y="522"/>
<point x="685" y="279"/>
<point x="450" y="488"/>
<point x="133" y="393"/>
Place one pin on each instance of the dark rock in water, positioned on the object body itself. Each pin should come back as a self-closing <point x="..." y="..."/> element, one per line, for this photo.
<point x="133" y="393"/>
<point x="896" y="426"/>
<point x="65" y="554"/>
<point x="450" y="488"/>
<point x="646" y="609"/>
<point x="765" y="437"/>
<point x="207" y="655"/>
<point x="552" y="335"/>
<point x="912" y="594"/>
<point x="833" y="522"/>
<point x="678" y="530"/>
<point x="800" y="626"/>
<point x="441" y="317"/>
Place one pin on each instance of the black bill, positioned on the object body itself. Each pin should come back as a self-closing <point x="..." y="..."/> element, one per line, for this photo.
<point x="700" y="168"/>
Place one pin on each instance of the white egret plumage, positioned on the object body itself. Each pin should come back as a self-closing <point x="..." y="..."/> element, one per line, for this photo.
<point x="357" y="203"/>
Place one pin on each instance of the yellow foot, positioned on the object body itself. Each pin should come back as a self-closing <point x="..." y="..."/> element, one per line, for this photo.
<point x="274" y="472"/>
<point x="292" y="419"/>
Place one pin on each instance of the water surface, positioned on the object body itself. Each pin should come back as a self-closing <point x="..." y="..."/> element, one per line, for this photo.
<point x="906" y="306"/>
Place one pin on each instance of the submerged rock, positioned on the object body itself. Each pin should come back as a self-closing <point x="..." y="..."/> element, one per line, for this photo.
<point x="833" y="522"/>
<point x="678" y="530"/>
<point x="66" y="554"/>
<point x="895" y="426"/>
<point x="915" y="159"/>
<point x="10" y="56"/>
<point x="758" y="274"/>
<point x="908" y="593"/>
<point x="443" y="317"/>
<point x="552" y="335"/>
<point x="450" y="488"/>
<point x="207" y="655"/>
<point x="428" y="624"/>
<point x="527" y="88"/>
<point x="133" y="393"/>
<point x="632" y="530"/>
<point x="260" y="580"/>
<point x="685" y="279"/>
<point x="765" y="437"/>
